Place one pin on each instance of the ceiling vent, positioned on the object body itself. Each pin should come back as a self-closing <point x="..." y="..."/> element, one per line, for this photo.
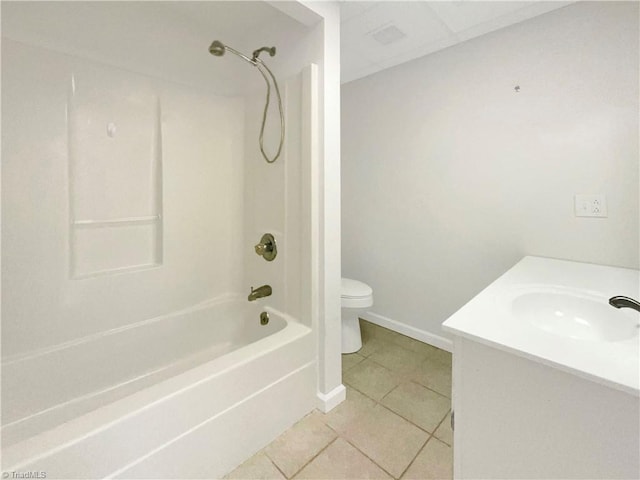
<point x="387" y="35"/>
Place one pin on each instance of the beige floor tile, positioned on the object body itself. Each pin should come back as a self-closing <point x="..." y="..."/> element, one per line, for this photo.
<point x="418" y="404"/>
<point x="370" y="345"/>
<point x="258" y="467"/>
<point x="367" y="329"/>
<point x="435" y="461"/>
<point x="434" y="375"/>
<point x="411" y="344"/>
<point x="350" y="360"/>
<point x="295" y="447"/>
<point x="438" y="355"/>
<point x="397" y="358"/>
<point x="355" y="407"/>
<point x="385" y="334"/>
<point x="444" y="432"/>
<point x="387" y="439"/>
<point x="341" y="461"/>
<point x="371" y="379"/>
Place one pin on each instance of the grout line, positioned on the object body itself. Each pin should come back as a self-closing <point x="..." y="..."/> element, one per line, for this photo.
<point x="418" y="453"/>
<point x="379" y="402"/>
<point x="404" y="379"/>
<point x="277" y="467"/>
<point x="441" y="422"/>
<point x="367" y="456"/>
<point x="429" y="388"/>
<point x="400" y="373"/>
<point x="314" y="457"/>
<point x="395" y="413"/>
<point x="264" y="452"/>
<point x="386" y="394"/>
<point x="410" y="421"/>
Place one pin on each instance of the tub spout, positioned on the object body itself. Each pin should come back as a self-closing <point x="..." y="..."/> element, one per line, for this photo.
<point x="624" y="302"/>
<point x="263" y="291"/>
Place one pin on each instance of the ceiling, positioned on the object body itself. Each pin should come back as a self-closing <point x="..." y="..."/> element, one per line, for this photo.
<point x="380" y="35"/>
<point x="170" y="39"/>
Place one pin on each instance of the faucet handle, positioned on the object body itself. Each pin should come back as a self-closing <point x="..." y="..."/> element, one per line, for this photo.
<point x="267" y="248"/>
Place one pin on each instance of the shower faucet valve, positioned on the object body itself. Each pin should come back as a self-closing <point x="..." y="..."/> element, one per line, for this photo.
<point x="267" y="247"/>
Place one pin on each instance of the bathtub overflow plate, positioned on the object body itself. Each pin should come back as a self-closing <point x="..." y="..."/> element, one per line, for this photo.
<point x="264" y="318"/>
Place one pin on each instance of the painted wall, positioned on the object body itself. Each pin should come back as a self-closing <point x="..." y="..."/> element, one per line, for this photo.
<point x="450" y="176"/>
<point x="325" y="194"/>
<point x="52" y="179"/>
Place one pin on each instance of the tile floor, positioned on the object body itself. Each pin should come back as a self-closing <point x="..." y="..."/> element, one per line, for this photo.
<point x="394" y="423"/>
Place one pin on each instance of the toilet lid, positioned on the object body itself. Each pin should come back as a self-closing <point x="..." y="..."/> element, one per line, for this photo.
<point x="355" y="289"/>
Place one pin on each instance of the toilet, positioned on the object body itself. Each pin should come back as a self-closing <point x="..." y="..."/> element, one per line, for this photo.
<point x="355" y="298"/>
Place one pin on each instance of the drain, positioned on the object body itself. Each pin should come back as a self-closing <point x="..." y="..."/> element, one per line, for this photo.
<point x="264" y="318"/>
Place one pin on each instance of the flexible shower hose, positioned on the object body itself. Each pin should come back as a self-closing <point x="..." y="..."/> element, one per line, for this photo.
<point x="259" y="63"/>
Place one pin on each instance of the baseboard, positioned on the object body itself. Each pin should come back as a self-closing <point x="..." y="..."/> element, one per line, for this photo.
<point x="409" y="331"/>
<point x="328" y="401"/>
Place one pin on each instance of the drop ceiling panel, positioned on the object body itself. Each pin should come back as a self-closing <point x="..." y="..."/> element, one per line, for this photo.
<point x="425" y="26"/>
<point x="459" y="16"/>
<point x="533" y="9"/>
<point x="351" y="9"/>
<point x="418" y="25"/>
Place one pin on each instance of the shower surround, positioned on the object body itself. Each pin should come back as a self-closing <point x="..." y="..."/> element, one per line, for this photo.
<point x="130" y="207"/>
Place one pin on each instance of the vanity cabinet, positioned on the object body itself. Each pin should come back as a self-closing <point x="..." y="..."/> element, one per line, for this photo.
<point x="516" y="418"/>
<point x="546" y="375"/>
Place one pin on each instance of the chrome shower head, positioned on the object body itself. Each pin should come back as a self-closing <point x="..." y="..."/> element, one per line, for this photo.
<point x="217" y="48"/>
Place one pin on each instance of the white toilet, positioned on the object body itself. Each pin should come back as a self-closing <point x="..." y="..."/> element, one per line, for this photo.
<point x="355" y="297"/>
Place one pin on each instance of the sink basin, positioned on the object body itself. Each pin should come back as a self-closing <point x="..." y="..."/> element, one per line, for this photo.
<point x="576" y="315"/>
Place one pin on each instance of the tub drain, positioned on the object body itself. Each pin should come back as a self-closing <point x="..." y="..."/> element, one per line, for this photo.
<point x="264" y="318"/>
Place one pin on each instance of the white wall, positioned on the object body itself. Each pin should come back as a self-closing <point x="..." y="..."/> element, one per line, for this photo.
<point x="325" y="195"/>
<point x="450" y="176"/>
<point x="201" y="196"/>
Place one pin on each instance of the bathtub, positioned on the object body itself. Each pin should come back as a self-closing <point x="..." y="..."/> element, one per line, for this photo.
<point x="186" y="395"/>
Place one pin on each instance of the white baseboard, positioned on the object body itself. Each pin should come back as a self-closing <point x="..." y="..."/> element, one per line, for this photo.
<point x="328" y="401"/>
<point x="409" y="331"/>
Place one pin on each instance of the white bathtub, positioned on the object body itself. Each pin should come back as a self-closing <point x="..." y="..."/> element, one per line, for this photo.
<point x="187" y="395"/>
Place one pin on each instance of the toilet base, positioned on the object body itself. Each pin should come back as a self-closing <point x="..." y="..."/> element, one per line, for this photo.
<point x="351" y="335"/>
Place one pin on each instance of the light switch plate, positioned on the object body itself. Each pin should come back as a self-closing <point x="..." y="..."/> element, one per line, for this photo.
<point x="590" y="205"/>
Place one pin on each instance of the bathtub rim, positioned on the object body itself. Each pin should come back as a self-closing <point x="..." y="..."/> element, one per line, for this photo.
<point x="38" y="352"/>
<point x="49" y="442"/>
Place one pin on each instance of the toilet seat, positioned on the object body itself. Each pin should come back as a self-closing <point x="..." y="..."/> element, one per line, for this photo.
<point x="355" y="294"/>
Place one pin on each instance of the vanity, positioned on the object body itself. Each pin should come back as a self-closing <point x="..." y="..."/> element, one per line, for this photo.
<point x="546" y="375"/>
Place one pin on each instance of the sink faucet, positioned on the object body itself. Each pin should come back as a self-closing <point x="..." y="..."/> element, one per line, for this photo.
<point x="624" y="302"/>
<point x="263" y="291"/>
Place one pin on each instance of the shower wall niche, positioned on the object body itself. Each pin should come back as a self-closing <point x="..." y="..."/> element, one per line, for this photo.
<point x="115" y="174"/>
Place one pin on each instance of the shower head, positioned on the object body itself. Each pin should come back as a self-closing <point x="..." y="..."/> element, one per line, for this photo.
<point x="217" y="48"/>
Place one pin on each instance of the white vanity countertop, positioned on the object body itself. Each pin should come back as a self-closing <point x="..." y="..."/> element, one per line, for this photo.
<point x="494" y="317"/>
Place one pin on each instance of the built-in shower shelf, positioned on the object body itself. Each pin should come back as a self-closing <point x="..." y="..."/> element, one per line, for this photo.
<point x="114" y="222"/>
